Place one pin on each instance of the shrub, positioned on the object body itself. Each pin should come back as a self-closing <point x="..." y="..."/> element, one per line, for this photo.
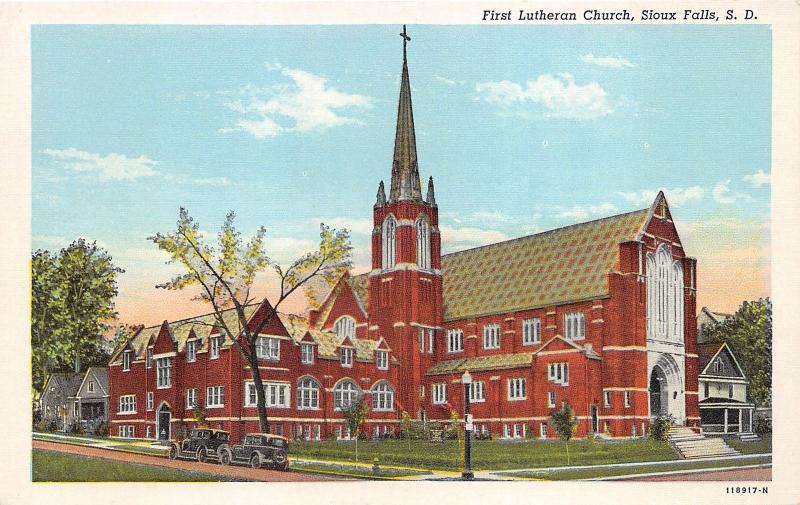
<point x="77" y="429"/>
<point x="42" y="425"/>
<point x="102" y="429"/>
<point x="52" y="425"/>
<point x="661" y="426"/>
<point x="762" y="424"/>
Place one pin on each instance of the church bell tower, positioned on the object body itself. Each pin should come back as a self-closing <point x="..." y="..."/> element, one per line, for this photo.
<point x="405" y="284"/>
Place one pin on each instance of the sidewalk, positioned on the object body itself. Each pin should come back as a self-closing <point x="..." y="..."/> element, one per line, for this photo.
<point x="364" y="470"/>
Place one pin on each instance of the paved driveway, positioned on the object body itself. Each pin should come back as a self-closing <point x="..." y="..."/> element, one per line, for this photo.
<point x="193" y="466"/>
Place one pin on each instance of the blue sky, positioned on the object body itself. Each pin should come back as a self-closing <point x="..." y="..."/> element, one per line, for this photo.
<point x="524" y="128"/>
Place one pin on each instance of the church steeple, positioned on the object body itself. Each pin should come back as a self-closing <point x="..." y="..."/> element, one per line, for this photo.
<point x="405" y="171"/>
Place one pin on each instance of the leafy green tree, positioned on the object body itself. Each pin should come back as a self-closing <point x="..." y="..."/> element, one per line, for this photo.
<point x="72" y="304"/>
<point x="354" y="415"/>
<point x="749" y="335"/>
<point x="224" y="279"/>
<point x="564" y="424"/>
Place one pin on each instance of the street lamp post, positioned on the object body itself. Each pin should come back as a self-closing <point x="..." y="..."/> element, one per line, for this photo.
<point x="467" y="474"/>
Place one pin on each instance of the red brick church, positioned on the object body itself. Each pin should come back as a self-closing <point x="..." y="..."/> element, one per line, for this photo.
<point x="600" y="315"/>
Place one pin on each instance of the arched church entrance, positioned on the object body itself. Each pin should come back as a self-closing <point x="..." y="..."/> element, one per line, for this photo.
<point x="659" y="399"/>
<point x="667" y="395"/>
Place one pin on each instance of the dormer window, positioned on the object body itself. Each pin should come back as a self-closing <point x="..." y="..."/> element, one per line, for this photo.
<point x="346" y="356"/>
<point x="126" y="360"/>
<point x="213" y="347"/>
<point x="382" y="359"/>
<point x="307" y="354"/>
<point x="191" y="351"/>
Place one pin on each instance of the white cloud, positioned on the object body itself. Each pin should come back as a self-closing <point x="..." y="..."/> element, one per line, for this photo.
<point x="559" y="96"/>
<point x="454" y="239"/>
<point x="675" y="196"/>
<point x="449" y="82"/>
<point x="308" y="104"/>
<point x="583" y="212"/>
<point x="362" y="226"/>
<point x="758" y="179"/>
<point x="491" y="217"/>
<point x="197" y="181"/>
<point x="287" y="249"/>
<point x="607" y="61"/>
<point x="110" y="167"/>
<point x="725" y="195"/>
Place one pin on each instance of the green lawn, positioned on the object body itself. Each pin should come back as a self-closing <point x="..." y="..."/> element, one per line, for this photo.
<point x="763" y="446"/>
<point x="48" y="466"/>
<point x="590" y="473"/>
<point x="487" y="454"/>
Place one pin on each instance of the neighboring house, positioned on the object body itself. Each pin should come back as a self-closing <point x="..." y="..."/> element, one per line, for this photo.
<point x="90" y="405"/>
<point x="57" y="396"/>
<point x="599" y="315"/>
<point x="706" y="317"/>
<point x="724" y="408"/>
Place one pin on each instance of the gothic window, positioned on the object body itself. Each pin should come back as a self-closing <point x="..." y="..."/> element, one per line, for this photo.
<point x="345" y="394"/>
<point x="665" y="308"/>
<point x="423" y="243"/>
<point x="382" y="396"/>
<point x="308" y="394"/>
<point x="345" y="327"/>
<point x="389" y="243"/>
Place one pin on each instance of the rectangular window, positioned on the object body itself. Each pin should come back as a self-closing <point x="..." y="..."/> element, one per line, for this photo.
<point x="276" y="394"/>
<point x="268" y="348"/>
<point x="127" y="404"/>
<point x="531" y="331"/>
<point x="75" y="409"/>
<point x="307" y="354"/>
<point x="346" y="356"/>
<point x="149" y="400"/>
<point x="215" y="396"/>
<point x="626" y="398"/>
<point x="477" y="392"/>
<point x="705" y="389"/>
<point x="491" y="336"/>
<point x="307" y="432"/>
<point x="149" y="357"/>
<point x="543" y="430"/>
<point x="126" y="361"/>
<point x="213" y="347"/>
<point x="163" y="373"/>
<point x="606" y="399"/>
<point x="439" y="393"/>
<point x="90" y="386"/>
<point x="191" y="351"/>
<point x="730" y="390"/>
<point x="421" y="339"/>
<point x="516" y="389"/>
<point x="506" y="433"/>
<point x="517" y="432"/>
<point x="191" y="398"/>
<point x="431" y="339"/>
<point x="551" y="399"/>
<point x="633" y="430"/>
<point x="317" y="432"/>
<point x="574" y="326"/>
<point x="126" y="431"/>
<point x="558" y="373"/>
<point x="382" y="359"/>
<point x="455" y="340"/>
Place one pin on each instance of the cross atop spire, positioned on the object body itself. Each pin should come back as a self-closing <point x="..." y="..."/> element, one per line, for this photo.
<point x="405" y="172"/>
<point x="406" y="40"/>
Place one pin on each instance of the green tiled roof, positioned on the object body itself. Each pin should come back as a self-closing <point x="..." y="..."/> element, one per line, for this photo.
<point x="548" y="268"/>
<point x="556" y="266"/>
<point x="492" y="362"/>
<point x="202" y="326"/>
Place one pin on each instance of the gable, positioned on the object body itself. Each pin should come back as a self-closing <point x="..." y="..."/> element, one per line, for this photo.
<point x="723" y="364"/>
<point x="558" y="344"/>
<point x="342" y="301"/>
<point x="164" y="342"/>
<point x="659" y="222"/>
<point x="558" y="266"/>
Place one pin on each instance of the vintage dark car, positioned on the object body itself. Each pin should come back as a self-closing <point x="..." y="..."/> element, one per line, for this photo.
<point x="259" y="450"/>
<point x="202" y="444"/>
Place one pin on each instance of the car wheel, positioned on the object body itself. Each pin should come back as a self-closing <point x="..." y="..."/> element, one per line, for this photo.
<point x="280" y="459"/>
<point x="225" y="456"/>
<point x="173" y="452"/>
<point x="255" y="461"/>
<point x="202" y="454"/>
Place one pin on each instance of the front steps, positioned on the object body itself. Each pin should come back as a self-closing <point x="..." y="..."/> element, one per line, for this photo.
<point x="749" y="437"/>
<point x="691" y="445"/>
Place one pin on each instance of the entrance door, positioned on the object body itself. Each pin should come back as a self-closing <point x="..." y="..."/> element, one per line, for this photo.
<point x="163" y="424"/>
<point x="658" y="384"/>
<point x="594" y="418"/>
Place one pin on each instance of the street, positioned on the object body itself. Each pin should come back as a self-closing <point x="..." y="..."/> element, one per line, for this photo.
<point x="192" y="466"/>
<point x="737" y="475"/>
